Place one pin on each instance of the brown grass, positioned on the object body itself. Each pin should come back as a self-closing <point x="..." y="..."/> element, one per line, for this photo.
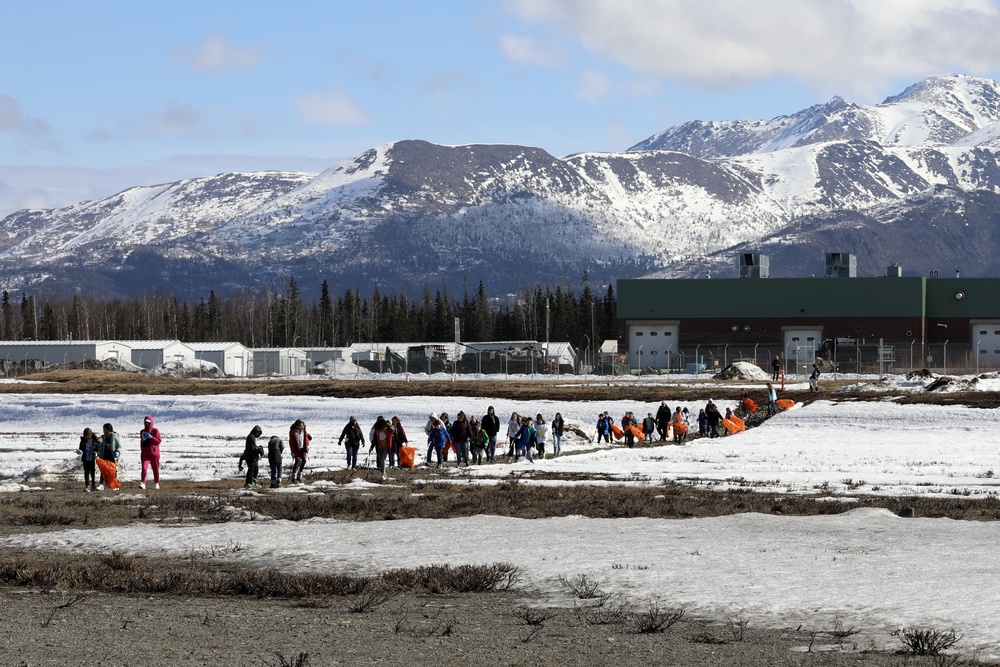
<point x="569" y="388"/>
<point x="121" y="573"/>
<point x="209" y="502"/>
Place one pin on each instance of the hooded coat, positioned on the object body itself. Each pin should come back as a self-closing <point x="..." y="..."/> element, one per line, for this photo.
<point x="149" y="440"/>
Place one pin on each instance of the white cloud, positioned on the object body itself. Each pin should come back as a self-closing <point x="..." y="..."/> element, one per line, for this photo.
<point x="846" y="44"/>
<point x="333" y="107"/>
<point x="527" y="50"/>
<point x="179" y="121"/>
<point x="216" y="53"/>
<point x="13" y="119"/>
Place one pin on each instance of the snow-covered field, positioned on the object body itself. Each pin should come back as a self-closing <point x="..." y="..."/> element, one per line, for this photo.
<point x="864" y="568"/>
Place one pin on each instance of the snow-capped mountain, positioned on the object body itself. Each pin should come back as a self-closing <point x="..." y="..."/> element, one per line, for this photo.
<point x="874" y="180"/>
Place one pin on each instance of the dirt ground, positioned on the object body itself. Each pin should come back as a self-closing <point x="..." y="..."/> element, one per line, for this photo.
<point x="43" y="628"/>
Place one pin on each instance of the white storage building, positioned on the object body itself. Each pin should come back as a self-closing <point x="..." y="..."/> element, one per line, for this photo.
<point x="231" y="358"/>
<point x="279" y="361"/>
<point x="152" y="353"/>
<point x="63" y="351"/>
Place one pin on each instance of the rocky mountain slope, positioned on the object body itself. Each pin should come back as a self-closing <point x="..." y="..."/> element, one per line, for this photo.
<point x="915" y="180"/>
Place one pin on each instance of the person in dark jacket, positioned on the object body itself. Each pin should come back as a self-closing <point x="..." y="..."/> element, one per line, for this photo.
<point x="478" y="443"/>
<point x="603" y="428"/>
<point x="461" y="431"/>
<point x="491" y="426"/>
<point x="663" y="416"/>
<point x="89" y="446"/>
<point x="714" y="418"/>
<point x="558" y="428"/>
<point x="648" y="428"/>
<point x="627" y="421"/>
<point x="274" y="449"/>
<point x="252" y="453"/>
<point x="111" y="450"/>
<point x="398" y="441"/>
<point x="355" y="438"/>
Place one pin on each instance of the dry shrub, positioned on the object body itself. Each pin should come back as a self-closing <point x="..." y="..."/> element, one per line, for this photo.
<point x="582" y="586"/>
<point x="655" y="619"/>
<point x="606" y="611"/>
<point x="926" y="641"/>
<point x="369" y="600"/>
<point x="460" y="579"/>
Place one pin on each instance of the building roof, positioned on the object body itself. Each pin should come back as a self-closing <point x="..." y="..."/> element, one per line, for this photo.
<point x="213" y="347"/>
<point x="152" y="344"/>
<point x="27" y="343"/>
<point x="798" y="298"/>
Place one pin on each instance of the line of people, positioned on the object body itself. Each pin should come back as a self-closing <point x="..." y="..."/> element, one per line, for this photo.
<point x="665" y="425"/>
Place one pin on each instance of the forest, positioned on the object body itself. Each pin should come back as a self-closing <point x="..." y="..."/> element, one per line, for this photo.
<point x="281" y="317"/>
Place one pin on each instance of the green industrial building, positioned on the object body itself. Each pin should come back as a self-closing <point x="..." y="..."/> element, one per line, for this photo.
<point x="889" y="322"/>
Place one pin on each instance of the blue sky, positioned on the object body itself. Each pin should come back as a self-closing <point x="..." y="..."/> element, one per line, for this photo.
<point x="99" y="96"/>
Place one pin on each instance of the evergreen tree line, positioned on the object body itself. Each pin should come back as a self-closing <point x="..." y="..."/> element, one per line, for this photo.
<point x="282" y="317"/>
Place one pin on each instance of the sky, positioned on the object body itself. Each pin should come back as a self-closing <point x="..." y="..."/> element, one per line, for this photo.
<point x="96" y="97"/>
<point x="864" y="568"/>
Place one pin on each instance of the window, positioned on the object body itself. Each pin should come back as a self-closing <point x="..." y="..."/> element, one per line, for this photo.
<point x="652" y="333"/>
<point x="638" y="333"/>
<point x="668" y="333"/>
<point x="983" y="333"/>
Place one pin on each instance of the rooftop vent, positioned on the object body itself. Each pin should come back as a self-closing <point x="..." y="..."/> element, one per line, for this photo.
<point x="754" y="265"/>
<point x="894" y="271"/>
<point x="841" y="265"/>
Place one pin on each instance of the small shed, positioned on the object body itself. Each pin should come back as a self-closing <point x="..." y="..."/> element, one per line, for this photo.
<point x="560" y="357"/>
<point x="232" y="358"/>
<point x="279" y="361"/>
<point x="153" y="353"/>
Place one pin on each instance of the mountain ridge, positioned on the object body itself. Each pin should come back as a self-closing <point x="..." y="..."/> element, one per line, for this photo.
<point x="410" y="212"/>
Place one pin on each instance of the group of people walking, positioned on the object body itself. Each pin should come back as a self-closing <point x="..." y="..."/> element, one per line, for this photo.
<point x="475" y="440"/>
<point x="253" y="452"/>
<point x="104" y="452"/>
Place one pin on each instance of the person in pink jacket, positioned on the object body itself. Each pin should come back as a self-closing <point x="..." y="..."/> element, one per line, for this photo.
<point x="149" y="452"/>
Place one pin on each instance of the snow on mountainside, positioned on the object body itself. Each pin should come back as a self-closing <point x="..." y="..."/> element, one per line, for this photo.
<point x="830" y="177"/>
<point x="938" y="111"/>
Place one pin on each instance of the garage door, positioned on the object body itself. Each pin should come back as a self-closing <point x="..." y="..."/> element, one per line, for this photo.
<point x="651" y="345"/>
<point x="986" y="339"/>
<point x="800" y="348"/>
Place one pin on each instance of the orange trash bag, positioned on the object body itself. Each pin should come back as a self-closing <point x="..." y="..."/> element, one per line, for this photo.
<point x="751" y="406"/>
<point x="109" y="473"/>
<point x="619" y="434"/>
<point x="784" y="403"/>
<point x="407" y="456"/>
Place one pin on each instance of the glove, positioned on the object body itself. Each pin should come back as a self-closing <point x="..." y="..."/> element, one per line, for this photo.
<point x="240" y="469"/>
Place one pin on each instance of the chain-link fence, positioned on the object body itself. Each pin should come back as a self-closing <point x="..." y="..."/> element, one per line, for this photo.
<point x="862" y="359"/>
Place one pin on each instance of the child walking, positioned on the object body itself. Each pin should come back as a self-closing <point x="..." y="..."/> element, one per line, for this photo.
<point x="89" y="445"/>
